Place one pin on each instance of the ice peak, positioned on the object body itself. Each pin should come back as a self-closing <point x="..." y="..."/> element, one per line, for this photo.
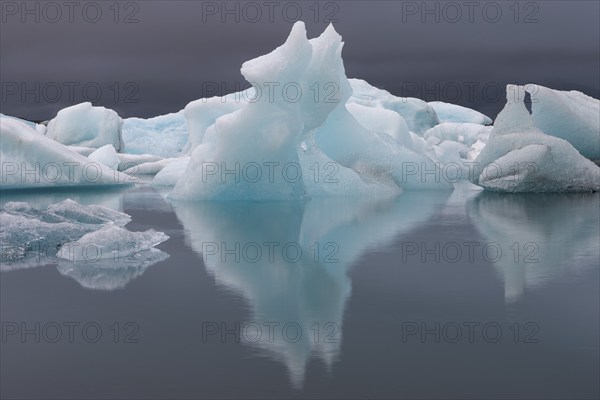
<point x="514" y="117"/>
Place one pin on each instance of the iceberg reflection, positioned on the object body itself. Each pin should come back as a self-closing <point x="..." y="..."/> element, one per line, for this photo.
<point x="290" y="261"/>
<point x="544" y="237"/>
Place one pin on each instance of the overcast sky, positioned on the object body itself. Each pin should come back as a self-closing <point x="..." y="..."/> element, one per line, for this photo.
<point x="173" y="52"/>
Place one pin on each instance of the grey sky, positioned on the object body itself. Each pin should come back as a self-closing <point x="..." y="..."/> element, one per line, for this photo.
<point x="176" y="49"/>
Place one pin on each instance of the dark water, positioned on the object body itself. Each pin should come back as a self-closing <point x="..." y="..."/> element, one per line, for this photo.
<point x="429" y="295"/>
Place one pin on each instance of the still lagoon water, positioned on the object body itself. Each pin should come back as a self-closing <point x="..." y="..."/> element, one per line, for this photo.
<point x="427" y="295"/>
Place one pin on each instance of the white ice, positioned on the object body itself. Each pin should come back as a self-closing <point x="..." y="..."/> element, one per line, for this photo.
<point x="419" y="115"/>
<point x="521" y="158"/>
<point x="164" y="136"/>
<point x="32" y="160"/>
<point x="86" y="125"/>
<point x="272" y="130"/>
<point x="106" y="155"/>
<point x="447" y="112"/>
<point x="572" y="116"/>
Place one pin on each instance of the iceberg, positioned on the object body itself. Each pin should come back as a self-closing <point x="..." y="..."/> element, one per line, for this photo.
<point x="164" y="136"/>
<point x="521" y="158"/>
<point x="253" y="152"/>
<point x="87" y="126"/>
<point x="572" y="116"/>
<point x="447" y="112"/>
<point x="31" y="160"/>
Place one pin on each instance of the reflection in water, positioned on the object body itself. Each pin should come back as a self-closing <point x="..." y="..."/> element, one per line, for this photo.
<point x="543" y="237"/>
<point x="289" y="260"/>
<point x="111" y="274"/>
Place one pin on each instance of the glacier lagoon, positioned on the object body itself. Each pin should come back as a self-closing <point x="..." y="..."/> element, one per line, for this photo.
<point x="376" y="258"/>
<point x="316" y="298"/>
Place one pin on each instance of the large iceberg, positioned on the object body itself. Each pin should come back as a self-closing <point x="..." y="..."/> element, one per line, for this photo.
<point x="31" y="160"/>
<point x="572" y="116"/>
<point x="86" y="125"/>
<point x="253" y="152"/>
<point x="521" y="158"/>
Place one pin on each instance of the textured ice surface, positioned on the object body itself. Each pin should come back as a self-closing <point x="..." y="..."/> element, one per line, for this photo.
<point x="520" y="158"/>
<point x="447" y="112"/>
<point x="106" y="155"/>
<point x="270" y="131"/>
<point x="88" y="126"/>
<point x="203" y="113"/>
<point x="171" y="173"/>
<point x="110" y="242"/>
<point x="40" y="128"/>
<point x="151" y="167"/>
<point x="419" y="115"/>
<point x="25" y="229"/>
<point x="165" y="135"/>
<point x="572" y="116"/>
<point x="466" y="133"/>
<point x="31" y="160"/>
<point x="381" y="120"/>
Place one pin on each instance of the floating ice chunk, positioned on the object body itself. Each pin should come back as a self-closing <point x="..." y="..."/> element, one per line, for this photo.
<point x="26" y="229"/>
<point x="39" y="128"/>
<point x="520" y="158"/>
<point x="31" y="160"/>
<point x="106" y="155"/>
<point x="447" y="112"/>
<point x="110" y="242"/>
<point x="171" y="173"/>
<point x="111" y="274"/>
<point x="165" y="135"/>
<point x="88" y="126"/>
<point x="88" y="214"/>
<point x="419" y="115"/>
<point x="572" y="116"/>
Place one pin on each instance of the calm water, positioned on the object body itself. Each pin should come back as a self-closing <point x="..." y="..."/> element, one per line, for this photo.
<point x="463" y="294"/>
